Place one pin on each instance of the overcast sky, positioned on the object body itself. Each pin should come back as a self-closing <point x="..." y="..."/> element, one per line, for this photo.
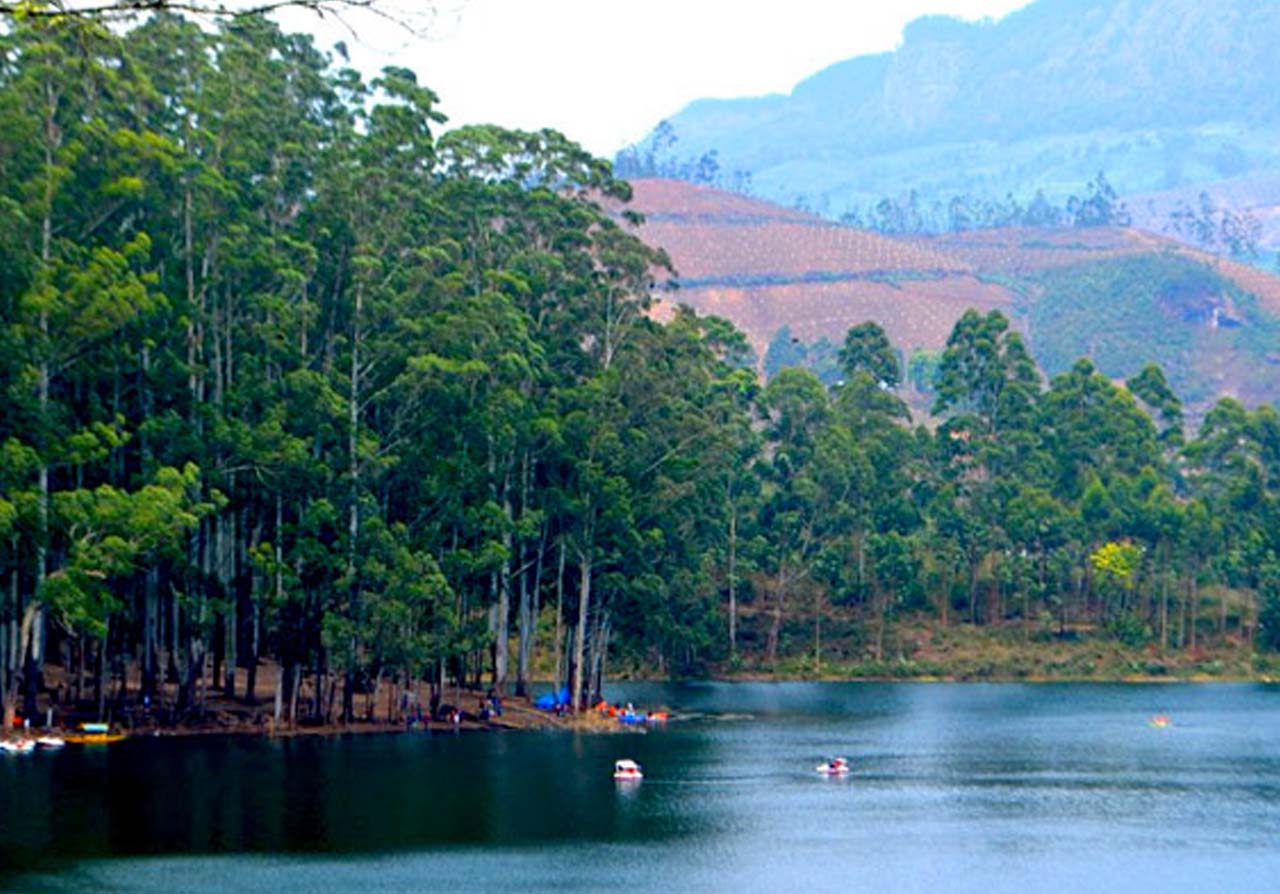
<point x="606" y="71"/>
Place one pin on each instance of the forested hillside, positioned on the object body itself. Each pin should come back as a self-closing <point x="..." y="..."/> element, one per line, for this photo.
<point x="292" y="374"/>
<point x="1160" y="94"/>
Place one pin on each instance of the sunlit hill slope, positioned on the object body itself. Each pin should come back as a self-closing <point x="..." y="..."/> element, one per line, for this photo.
<point x="1122" y="297"/>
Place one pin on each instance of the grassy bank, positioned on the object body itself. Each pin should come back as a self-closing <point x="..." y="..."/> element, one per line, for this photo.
<point x="968" y="653"/>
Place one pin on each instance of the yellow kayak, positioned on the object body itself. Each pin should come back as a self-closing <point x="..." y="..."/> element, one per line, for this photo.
<point x="92" y="738"/>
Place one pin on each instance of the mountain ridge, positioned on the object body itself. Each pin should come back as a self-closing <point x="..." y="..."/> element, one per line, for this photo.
<point x="1162" y="94"/>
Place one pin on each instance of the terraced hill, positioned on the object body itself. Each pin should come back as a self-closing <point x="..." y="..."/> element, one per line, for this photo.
<point x="1028" y="252"/>
<point x="765" y="267"/>
<point x="1123" y="297"/>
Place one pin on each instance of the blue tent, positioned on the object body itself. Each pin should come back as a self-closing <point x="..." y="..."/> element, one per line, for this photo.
<point x="550" y="700"/>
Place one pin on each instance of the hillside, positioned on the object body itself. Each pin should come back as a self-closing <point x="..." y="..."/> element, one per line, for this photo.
<point x="1123" y="297"/>
<point x="1161" y="94"/>
<point x="769" y="268"/>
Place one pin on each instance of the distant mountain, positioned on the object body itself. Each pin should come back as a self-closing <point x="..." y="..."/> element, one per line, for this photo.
<point x="795" y="284"/>
<point x="1162" y="95"/>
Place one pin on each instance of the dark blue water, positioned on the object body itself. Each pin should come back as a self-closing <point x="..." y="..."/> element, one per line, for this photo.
<point x="965" y="788"/>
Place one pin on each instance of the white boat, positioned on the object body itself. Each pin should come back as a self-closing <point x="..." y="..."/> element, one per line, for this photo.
<point x="18" y="746"/>
<point x="627" y="770"/>
<point x="51" y="742"/>
<point x="837" y="766"/>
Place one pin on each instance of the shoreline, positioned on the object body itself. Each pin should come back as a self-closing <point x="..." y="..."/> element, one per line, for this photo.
<point x="944" y="679"/>
<point x="520" y="716"/>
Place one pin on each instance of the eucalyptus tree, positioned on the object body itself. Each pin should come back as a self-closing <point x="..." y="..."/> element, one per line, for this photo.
<point x="986" y="377"/>
<point x="687" y="434"/>
<point x="77" y="271"/>
<point x="1152" y="388"/>
<point x="797" y="410"/>
<point x="1235" y="461"/>
<point x="523" y="212"/>
<point x="867" y="349"/>
<point x="1094" y="428"/>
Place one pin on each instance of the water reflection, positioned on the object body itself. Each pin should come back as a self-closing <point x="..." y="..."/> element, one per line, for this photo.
<point x="981" y="788"/>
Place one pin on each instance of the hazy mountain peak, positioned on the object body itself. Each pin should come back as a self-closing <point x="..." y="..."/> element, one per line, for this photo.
<point x="1161" y="94"/>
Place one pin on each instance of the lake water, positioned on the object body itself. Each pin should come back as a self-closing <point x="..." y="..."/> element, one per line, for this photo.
<point x="956" y="788"/>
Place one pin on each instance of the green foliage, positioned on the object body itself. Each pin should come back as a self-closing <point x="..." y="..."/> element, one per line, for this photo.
<point x="113" y="534"/>
<point x="1128" y="313"/>
<point x="1269" y="616"/>
<point x="313" y="381"/>
<point x="922" y="369"/>
<point x="867" y="349"/>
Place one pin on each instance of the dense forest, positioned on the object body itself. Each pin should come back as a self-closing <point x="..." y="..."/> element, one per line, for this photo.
<point x="293" y="375"/>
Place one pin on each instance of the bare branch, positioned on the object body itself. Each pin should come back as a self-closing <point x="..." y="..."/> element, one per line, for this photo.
<point x="413" y="21"/>
<point x="126" y="8"/>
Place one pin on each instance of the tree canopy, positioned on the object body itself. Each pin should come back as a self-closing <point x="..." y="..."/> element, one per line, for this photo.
<point x="295" y="375"/>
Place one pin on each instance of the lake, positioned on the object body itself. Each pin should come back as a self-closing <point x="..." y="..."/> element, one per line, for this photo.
<point x="956" y="788"/>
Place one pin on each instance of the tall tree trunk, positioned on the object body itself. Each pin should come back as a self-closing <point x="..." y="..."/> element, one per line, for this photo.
<point x="256" y="586"/>
<point x="1193" y="607"/>
<point x="231" y="632"/>
<point x="559" y="675"/>
<point x="282" y="671"/>
<point x="817" y="631"/>
<point x="6" y="670"/>
<point x="295" y="689"/>
<point x="1164" y="612"/>
<point x="775" y="627"/>
<point x="973" y="591"/>
<point x="502" y="627"/>
<point x="34" y="653"/>
<point x="881" y="602"/>
<point x="733" y="579"/>
<point x="944" y="601"/>
<point x="277" y="572"/>
<point x="150" y="659"/>
<point x="529" y="615"/>
<point x="100" y="672"/>
<point x="599" y="656"/>
<point x="353" y="517"/>
<point x="24" y="646"/>
<point x="579" y="643"/>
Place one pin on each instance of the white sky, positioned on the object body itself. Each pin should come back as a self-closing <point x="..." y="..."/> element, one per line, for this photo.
<point x="606" y="71"/>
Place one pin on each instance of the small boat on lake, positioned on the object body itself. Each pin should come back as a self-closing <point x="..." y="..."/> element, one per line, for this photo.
<point x="837" y="766"/>
<point x="1160" y="721"/>
<point x="51" y="742"/>
<point x="93" y="734"/>
<point x="627" y="770"/>
<point x="17" y="746"/>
